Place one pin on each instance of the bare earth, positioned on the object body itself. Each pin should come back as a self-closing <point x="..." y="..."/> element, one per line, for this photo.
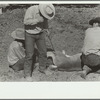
<point x="67" y="32"/>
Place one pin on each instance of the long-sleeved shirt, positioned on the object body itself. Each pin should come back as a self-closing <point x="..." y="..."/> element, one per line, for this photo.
<point x="31" y="20"/>
<point x="92" y="41"/>
<point x="15" y="52"/>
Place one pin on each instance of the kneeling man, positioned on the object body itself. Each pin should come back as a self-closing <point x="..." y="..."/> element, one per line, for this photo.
<point x="90" y="58"/>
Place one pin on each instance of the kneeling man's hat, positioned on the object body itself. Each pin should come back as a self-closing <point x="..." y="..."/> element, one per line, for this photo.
<point x="19" y="33"/>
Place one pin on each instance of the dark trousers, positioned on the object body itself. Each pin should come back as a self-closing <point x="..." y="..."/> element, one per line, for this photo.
<point x="19" y="65"/>
<point x="30" y="40"/>
<point x="91" y="60"/>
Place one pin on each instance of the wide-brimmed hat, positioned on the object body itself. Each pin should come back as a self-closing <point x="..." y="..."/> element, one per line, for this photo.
<point x="94" y="20"/>
<point x="18" y="34"/>
<point x="47" y="10"/>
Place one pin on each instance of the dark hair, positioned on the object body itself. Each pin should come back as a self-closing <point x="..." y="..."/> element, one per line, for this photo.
<point x="94" y="20"/>
<point x="21" y="41"/>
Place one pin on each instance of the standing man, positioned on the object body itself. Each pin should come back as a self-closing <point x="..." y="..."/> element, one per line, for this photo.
<point x="36" y="24"/>
<point x="90" y="58"/>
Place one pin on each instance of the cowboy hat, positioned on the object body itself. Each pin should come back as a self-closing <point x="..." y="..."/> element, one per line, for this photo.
<point x="18" y="34"/>
<point x="94" y="20"/>
<point x="47" y="10"/>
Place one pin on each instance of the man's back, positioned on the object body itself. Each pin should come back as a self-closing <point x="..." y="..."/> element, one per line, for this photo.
<point x="92" y="41"/>
<point x="15" y="52"/>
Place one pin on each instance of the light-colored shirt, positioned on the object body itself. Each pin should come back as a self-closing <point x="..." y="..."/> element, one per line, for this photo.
<point x="15" y="52"/>
<point x="92" y="41"/>
<point x="31" y="20"/>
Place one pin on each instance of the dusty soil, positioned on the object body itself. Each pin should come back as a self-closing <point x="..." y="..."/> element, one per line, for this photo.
<point x="67" y="32"/>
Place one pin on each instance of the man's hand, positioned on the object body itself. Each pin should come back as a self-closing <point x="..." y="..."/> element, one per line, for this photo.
<point x="46" y="31"/>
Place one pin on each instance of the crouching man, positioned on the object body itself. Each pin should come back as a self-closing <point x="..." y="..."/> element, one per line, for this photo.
<point x="90" y="58"/>
<point x="16" y="52"/>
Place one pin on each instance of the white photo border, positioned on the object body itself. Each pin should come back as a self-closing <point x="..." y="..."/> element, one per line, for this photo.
<point x="50" y="90"/>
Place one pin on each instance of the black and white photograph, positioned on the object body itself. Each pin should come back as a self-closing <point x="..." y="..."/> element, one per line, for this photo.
<point x="50" y="49"/>
<point x="49" y="42"/>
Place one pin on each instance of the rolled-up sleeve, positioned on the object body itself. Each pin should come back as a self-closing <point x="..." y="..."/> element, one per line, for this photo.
<point x="29" y="18"/>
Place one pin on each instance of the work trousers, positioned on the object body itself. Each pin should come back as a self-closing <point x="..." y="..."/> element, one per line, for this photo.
<point x="30" y="41"/>
<point x="19" y="65"/>
<point x="91" y="60"/>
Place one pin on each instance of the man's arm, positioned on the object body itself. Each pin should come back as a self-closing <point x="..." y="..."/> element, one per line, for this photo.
<point x="30" y="21"/>
<point x="46" y="27"/>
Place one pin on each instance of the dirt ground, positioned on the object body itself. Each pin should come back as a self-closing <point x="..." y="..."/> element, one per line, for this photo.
<point x="67" y="32"/>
